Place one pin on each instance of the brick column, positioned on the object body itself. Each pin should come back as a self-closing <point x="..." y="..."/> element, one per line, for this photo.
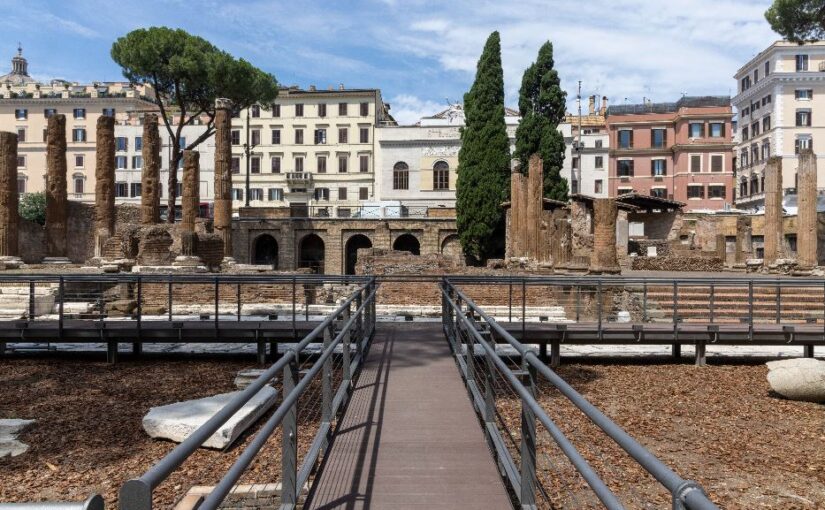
<point x="56" y="197"/>
<point x="744" y="243"/>
<point x="806" y="222"/>
<point x="535" y="192"/>
<point x="104" y="182"/>
<point x="150" y="176"/>
<point x="603" y="259"/>
<point x="190" y="201"/>
<point x="9" y="217"/>
<point x="223" y="175"/>
<point x="512" y="225"/>
<point x="773" y="234"/>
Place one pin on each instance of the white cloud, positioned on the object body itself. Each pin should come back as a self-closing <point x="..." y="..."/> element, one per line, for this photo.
<point x="408" y="109"/>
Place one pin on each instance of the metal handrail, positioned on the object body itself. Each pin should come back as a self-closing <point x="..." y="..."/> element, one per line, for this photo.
<point x="93" y="502"/>
<point x="136" y="494"/>
<point x="686" y="494"/>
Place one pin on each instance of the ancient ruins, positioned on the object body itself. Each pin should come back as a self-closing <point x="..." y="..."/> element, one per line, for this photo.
<point x="150" y="177"/>
<point x="9" y="216"/>
<point x="105" y="183"/>
<point x="56" y="192"/>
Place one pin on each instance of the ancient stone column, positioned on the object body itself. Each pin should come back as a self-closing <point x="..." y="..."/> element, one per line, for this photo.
<point x="9" y="217"/>
<point x="223" y="176"/>
<point x="104" y="182"/>
<point x="603" y="259"/>
<point x="744" y="242"/>
<point x="773" y="234"/>
<point x="190" y="202"/>
<point x="535" y="193"/>
<point x="806" y="230"/>
<point x="515" y="213"/>
<point x="56" y="197"/>
<point x="150" y="177"/>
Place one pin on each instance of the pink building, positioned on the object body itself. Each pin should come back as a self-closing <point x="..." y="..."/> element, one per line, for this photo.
<point x="681" y="151"/>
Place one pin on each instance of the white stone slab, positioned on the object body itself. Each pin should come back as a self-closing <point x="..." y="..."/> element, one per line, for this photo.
<point x="798" y="378"/>
<point x="9" y="444"/>
<point x="176" y="421"/>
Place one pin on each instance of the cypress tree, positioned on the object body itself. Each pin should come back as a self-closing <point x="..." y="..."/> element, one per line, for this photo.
<point x="484" y="159"/>
<point x="541" y="106"/>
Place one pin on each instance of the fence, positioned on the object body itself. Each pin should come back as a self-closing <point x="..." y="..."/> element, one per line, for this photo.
<point x="496" y="387"/>
<point x="351" y="336"/>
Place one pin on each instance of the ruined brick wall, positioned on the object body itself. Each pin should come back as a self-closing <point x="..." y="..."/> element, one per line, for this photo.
<point x="155" y="246"/>
<point x="708" y="263"/>
<point x="210" y="249"/>
<point x="31" y="242"/>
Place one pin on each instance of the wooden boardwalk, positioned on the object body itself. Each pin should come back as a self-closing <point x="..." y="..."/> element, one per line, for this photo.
<point x="409" y="437"/>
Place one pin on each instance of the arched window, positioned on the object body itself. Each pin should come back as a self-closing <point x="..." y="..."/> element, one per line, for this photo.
<point x="79" y="182"/>
<point x="255" y="110"/>
<point x="400" y="176"/>
<point x="441" y="176"/>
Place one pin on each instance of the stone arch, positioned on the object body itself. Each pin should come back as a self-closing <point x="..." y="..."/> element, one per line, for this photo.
<point x="407" y="242"/>
<point x="311" y="251"/>
<point x="265" y="251"/>
<point x="451" y="247"/>
<point x="354" y="243"/>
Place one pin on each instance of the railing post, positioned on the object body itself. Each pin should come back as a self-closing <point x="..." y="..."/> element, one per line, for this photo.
<point x="750" y="310"/>
<point x="523" y="309"/>
<point x="345" y="353"/>
<point x="510" y="302"/>
<point x="169" y="297"/>
<point x="528" y="441"/>
<point x="60" y="295"/>
<point x="326" y="379"/>
<point x="31" y="300"/>
<point x="289" y="446"/>
<point x="778" y="302"/>
<point x="599" y="305"/>
<point x="644" y="302"/>
<point x="239" y="301"/>
<point x="136" y="347"/>
<point x="712" y="301"/>
<point x="578" y="301"/>
<point x="217" y="301"/>
<point x="294" y="330"/>
<point x="359" y="319"/>
<point x="489" y="392"/>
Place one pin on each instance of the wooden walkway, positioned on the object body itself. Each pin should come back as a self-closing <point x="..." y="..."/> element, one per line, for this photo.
<point x="409" y="437"/>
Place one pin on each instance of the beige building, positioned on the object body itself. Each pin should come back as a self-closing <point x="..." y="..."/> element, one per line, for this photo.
<point x="26" y="104"/>
<point x="781" y="108"/>
<point x="312" y="150"/>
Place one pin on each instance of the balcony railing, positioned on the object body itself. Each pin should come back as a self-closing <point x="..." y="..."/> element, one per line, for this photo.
<point x="298" y="177"/>
<point x="358" y="212"/>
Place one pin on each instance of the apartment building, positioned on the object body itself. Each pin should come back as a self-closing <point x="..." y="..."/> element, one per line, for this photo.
<point x="781" y="108"/>
<point x="586" y="151"/>
<point x="681" y="151"/>
<point x="26" y="105"/>
<point x="312" y="150"/>
<point x="416" y="165"/>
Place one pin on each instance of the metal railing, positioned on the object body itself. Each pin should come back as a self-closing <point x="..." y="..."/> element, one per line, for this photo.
<point x="356" y="316"/>
<point x="470" y="333"/>
<point x="93" y="502"/>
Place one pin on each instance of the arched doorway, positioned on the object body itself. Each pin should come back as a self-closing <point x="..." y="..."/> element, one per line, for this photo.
<point x="265" y="251"/>
<point x="407" y="242"/>
<point x="311" y="253"/>
<point x="354" y="244"/>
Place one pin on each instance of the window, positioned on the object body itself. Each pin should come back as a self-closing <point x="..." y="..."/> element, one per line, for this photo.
<point x="745" y="133"/>
<point x="658" y="138"/>
<point x="754" y="153"/>
<point x="575" y="163"/>
<point x="342" y="193"/>
<point x="400" y="176"/>
<point x="598" y="186"/>
<point x="134" y="189"/>
<point x="717" y="129"/>
<point x="299" y="163"/>
<point x="79" y="160"/>
<point x="342" y="135"/>
<point x="803" y="117"/>
<point x="755" y="75"/>
<point x="78" y="135"/>
<point x="236" y="164"/>
<point x="21" y="184"/>
<point x="344" y="212"/>
<point x="299" y="110"/>
<point x="256" y="137"/>
<point x="256" y="193"/>
<point x="108" y="112"/>
<point x="624" y="168"/>
<point x="322" y="110"/>
<point x="137" y="162"/>
<point x="320" y="136"/>
<point x="79" y="113"/>
<point x="21" y="114"/>
<point x="746" y="83"/>
<point x="696" y="129"/>
<point x="658" y="167"/>
<point x="342" y="164"/>
<point x="237" y="194"/>
<point x="276" y="194"/>
<point x="803" y="142"/>
<point x="236" y="137"/>
<point x="801" y="63"/>
<point x="138" y="143"/>
<point x="21" y="161"/>
<point x="364" y="163"/>
<point x="179" y="189"/>
<point x="695" y="163"/>
<point x="658" y="192"/>
<point x="766" y="150"/>
<point x="716" y="191"/>
<point x="364" y="135"/>
<point x="696" y="191"/>
<point x="121" y="143"/>
<point x="745" y="111"/>
<point x="21" y="135"/>
<point x="717" y="163"/>
<point x="275" y="164"/>
<point x="322" y="194"/>
<point x="598" y="162"/>
<point x="755" y="129"/>
<point x="767" y="68"/>
<point x="766" y="100"/>
<point x="299" y="136"/>
<point x="322" y="164"/>
<point x="363" y="193"/>
<point x="743" y="159"/>
<point x="365" y="109"/>
<point x="255" y="111"/>
<point x="48" y="112"/>
<point x="255" y="165"/>
<point x="804" y="94"/>
<point x="121" y="190"/>
<point x="121" y="162"/>
<point x="276" y="110"/>
<point x="625" y="138"/>
<point x="342" y="109"/>
<point x="441" y="176"/>
<point x="276" y="136"/>
<point x="766" y="123"/>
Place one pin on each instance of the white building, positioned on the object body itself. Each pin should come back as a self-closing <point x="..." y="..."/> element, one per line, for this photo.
<point x="585" y="164"/>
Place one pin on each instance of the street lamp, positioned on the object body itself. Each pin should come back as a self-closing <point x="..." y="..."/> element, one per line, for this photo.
<point x="248" y="146"/>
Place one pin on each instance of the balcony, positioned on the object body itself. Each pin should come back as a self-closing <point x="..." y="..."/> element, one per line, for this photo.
<point x="299" y="179"/>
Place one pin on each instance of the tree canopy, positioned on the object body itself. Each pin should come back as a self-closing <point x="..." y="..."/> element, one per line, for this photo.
<point x="32" y="207"/>
<point x="542" y="106"/>
<point x="798" y="20"/>
<point x="484" y="159"/>
<point x="188" y="74"/>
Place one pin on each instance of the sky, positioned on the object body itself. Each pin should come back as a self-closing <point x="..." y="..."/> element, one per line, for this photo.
<point x="421" y="54"/>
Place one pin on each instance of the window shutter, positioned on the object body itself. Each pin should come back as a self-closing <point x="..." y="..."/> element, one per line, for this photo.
<point x="653" y="167"/>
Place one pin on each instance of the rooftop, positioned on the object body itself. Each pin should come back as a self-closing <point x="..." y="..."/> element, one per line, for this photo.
<point x="685" y="102"/>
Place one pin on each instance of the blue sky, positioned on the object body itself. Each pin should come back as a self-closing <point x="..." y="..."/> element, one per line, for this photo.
<point x="421" y="54"/>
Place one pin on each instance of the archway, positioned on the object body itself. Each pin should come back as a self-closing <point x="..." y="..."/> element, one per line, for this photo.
<point x="311" y="253"/>
<point x="407" y="242"/>
<point x="354" y="244"/>
<point x="451" y="248"/>
<point x="265" y="251"/>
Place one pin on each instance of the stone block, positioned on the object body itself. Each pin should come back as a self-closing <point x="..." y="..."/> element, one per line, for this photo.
<point x="10" y="446"/>
<point x="798" y="378"/>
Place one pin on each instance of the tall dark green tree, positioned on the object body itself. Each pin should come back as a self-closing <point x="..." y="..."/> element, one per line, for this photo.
<point x="541" y="106"/>
<point x="798" y="20"/>
<point x="484" y="159"/>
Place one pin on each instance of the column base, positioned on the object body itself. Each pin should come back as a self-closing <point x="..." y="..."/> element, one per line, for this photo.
<point x="187" y="261"/>
<point x="56" y="261"/>
<point x="11" y="262"/>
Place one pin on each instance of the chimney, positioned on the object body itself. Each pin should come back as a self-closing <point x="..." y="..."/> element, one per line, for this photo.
<point x="312" y="88"/>
<point x="592" y="105"/>
<point x="603" y="111"/>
